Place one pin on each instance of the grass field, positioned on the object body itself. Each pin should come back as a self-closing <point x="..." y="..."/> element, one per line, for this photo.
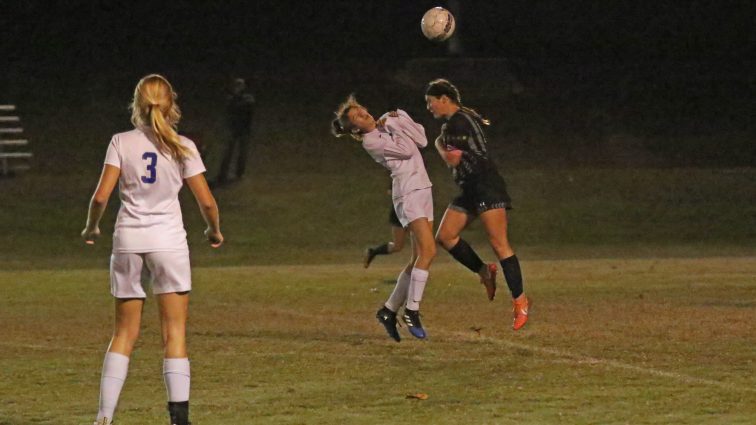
<point x="613" y="341"/>
<point x="642" y="266"/>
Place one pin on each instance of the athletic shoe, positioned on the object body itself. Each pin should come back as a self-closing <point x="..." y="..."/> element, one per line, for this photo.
<point x="179" y="412"/>
<point x="104" y="421"/>
<point x="388" y="319"/>
<point x="490" y="282"/>
<point x="369" y="256"/>
<point x="412" y="319"/>
<point x="520" y="312"/>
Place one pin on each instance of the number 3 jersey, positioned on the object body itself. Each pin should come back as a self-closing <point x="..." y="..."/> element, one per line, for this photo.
<point x="149" y="219"/>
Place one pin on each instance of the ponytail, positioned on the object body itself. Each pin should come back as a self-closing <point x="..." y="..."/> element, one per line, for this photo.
<point x="441" y="87"/>
<point x="342" y="126"/>
<point x="154" y="106"/>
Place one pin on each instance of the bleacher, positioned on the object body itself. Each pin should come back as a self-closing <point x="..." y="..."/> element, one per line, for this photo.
<point x="14" y="156"/>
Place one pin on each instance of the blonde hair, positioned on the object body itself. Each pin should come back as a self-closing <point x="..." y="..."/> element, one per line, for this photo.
<point x="342" y="125"/>
<point x="154" y="106"/>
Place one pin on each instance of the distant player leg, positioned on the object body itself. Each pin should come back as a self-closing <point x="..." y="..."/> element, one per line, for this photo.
<point x="398" y="235"/>
<point x="495" y="223"/>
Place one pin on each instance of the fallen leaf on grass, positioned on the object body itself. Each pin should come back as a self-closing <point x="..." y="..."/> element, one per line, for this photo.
<point x="418" y="396"/>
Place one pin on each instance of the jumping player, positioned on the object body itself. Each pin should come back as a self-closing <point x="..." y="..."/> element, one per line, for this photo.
<point x="149" y="164"/>
<point x="393" y="142"/>
<point x="462" y="145"/>
<point x="398" y="236"/>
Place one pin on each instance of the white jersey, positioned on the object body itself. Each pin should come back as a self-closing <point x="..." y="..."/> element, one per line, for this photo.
<point x="149" y="219"/>
<point x="395" y="146"/>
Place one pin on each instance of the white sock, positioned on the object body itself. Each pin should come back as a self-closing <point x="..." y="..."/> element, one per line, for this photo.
<point x="176" y="375"/>
<point x="114" y="371"/>
<point x="399" y="295"/>
<point x="416" y="288"/>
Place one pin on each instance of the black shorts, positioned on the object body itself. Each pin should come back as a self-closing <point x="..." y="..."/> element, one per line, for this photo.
<point x="393" y="219"/>
<point x="487" y="193"/>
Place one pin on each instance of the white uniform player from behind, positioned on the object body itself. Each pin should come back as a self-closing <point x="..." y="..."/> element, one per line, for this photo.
<point x="394" y="141"/>
<point x="150" y="164"/>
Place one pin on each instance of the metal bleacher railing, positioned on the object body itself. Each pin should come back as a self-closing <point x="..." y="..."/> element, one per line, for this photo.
<point x="12" y="158"/>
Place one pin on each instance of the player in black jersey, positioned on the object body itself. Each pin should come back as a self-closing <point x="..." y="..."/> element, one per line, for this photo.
<point x="462" y="145"/>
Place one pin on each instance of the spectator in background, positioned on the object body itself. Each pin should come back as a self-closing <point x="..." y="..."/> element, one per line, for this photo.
<point x="239" y="111"/>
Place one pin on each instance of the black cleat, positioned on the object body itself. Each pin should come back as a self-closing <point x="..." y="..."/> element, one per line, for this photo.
<point x="370" y="254"/>
<point x="412" y="319"/>
<point x="179" y="412"/>
<point x="388" y="319"/>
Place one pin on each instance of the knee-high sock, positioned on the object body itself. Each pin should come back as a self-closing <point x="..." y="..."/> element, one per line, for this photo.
<point x="513" y="275"/>
<point x="115" y="367"/>
<point x="399" y="294"/>
<point x="176" y="375"/>
<point x="416" y="288"/>
<point x="464" y="253"/>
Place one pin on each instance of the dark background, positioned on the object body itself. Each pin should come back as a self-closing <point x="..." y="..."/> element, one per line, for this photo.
<point x="672" y="82"/>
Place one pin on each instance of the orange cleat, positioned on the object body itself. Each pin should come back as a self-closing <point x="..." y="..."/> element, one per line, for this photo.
<point x="490" y="282"/>
<point x="520" y="311"/>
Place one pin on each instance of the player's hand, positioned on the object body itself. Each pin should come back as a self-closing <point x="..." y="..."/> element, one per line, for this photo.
<point x="382" y="120"/>
<point x="215" y="238"/>
<point x="90" y="235"/>
<point x="453" y="157"/>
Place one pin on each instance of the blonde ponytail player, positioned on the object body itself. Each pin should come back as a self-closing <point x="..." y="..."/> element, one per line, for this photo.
<point x="150" y="164"/>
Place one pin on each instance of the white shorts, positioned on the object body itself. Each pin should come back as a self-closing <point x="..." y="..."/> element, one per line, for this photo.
<point x="165" y="271"/>
<point x="414" y="205"/>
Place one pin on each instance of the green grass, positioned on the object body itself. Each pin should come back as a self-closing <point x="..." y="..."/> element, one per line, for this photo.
<point x="610" y="342"/>
<point x="299" y="216"/>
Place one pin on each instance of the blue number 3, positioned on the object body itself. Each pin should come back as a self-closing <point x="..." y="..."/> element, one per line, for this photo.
<point x="152" y="156"/>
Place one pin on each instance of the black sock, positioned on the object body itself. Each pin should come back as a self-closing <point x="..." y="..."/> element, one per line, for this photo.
<point x="513" y="275"/>
<point x="179" y="411"/>
<point x="381" y="249"/>
<point x="464" y="253"/>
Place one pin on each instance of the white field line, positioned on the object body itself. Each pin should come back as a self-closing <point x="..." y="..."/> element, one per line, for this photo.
<point x="579" y="359"/>
<point x="570" y="358"/>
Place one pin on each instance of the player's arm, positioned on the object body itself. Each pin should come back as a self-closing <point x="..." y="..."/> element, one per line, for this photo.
<point x="402" y="147"/>
<point x="208" y="208"/>
<point x="413" y="130"/>
<point x="99" y="202"/>
<point x="448" y="153"/>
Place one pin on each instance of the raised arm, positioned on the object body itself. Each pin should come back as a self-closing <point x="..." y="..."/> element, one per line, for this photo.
<point x="401" y="146"/>
<point x="413" y="130"/>
<point x="99" y="202"/>
<point x="208" y="208"/>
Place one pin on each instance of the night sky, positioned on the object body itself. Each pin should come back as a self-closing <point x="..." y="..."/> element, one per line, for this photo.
<point x="79" y="35"/>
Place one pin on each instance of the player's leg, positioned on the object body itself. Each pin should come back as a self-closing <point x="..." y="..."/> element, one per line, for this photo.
<point x="398" y="236"/>
<point x="228" y="153"/>
<point x="125" y="273"/>
<point x="495" y="222"/>
<point x="455" y="219"/>
<point x="421" y="232"/>
<point x="172" y="283"/>
<point x="241" y="160"/>
<point x="386" y="315"/>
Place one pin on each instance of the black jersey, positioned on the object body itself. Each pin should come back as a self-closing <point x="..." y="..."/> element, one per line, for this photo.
<point x="463" y="131"/>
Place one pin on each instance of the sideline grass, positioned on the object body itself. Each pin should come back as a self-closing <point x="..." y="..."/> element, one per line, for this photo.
<point x="611" y="342"/>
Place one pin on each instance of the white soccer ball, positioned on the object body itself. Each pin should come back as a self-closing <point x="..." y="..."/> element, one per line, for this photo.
<point x="437" y="24"/>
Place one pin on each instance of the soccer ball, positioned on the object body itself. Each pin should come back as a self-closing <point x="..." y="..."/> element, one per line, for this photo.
<point x="437" y="24"/>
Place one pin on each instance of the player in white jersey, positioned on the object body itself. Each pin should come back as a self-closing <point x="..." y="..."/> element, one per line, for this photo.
<point x="150" y="165"/>
<point x="394" y="141"/>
